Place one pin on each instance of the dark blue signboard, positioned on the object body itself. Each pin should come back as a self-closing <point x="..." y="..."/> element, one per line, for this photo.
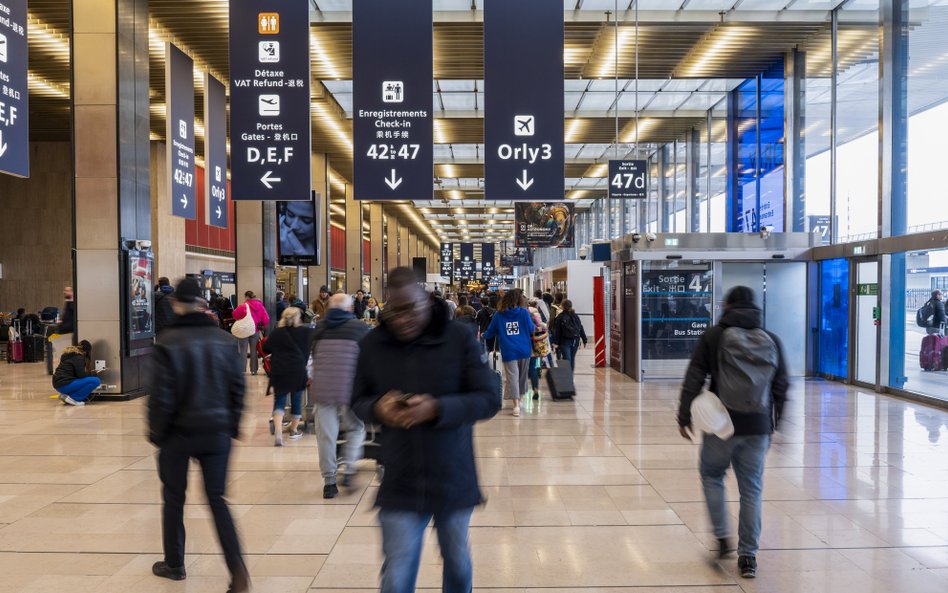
<point x="14" y="100"/>
<point x="392" y="100"/>
<point x="179" y="99"/>
<point x="447" y="260"/>
<point x="270" y="127"/>
<point x="215" y="151"/>
<point x="628" y="179"/>
<point x="523" y="82"/>
<point x="467" y="263"/>
<point x="488" y="256"/>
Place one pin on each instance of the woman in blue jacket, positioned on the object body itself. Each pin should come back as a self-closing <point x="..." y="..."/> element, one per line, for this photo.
<point x="513" y="327"/>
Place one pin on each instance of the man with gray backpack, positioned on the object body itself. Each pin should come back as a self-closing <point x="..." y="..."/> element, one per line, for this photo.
<point x="749" y="376"/>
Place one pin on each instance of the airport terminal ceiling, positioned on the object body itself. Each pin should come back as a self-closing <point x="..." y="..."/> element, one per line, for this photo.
<point x="691" y="53"/>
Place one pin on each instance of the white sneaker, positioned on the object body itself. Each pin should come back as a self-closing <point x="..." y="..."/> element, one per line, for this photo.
<point x="516" y="410"/>
<point x="72" y="402"/>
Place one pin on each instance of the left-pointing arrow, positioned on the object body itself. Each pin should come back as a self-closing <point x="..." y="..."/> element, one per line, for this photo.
<point x="268" y="179"/>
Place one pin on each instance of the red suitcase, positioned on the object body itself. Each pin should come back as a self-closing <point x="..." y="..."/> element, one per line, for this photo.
<point x="929" y="356"/>
<point x="16" y="351"/>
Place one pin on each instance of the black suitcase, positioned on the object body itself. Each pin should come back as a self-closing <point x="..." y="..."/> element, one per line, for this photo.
<point x="559" y="379"/>
<point x="33" y="348"/>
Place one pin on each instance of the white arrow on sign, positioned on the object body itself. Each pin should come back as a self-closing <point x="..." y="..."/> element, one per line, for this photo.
<point x="3" y="145"/>
<point x="267" y="179"/>
<point x="525" y="183"/>
<point x="184" y="201"/>
<point x="393" y="182"/>
<point x="218" y="212"/>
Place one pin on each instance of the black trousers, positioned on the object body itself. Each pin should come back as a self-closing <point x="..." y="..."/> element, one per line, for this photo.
<point x="212" y="452"/>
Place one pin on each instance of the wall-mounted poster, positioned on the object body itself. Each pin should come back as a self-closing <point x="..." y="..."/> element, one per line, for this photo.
<point x="141" y="296"/>
<point x="515" y="256"/>
<point x="544" y="224"/>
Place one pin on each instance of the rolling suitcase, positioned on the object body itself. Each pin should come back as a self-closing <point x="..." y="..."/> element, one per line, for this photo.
<point x="559" y="379"/>
<point x="16" y="351"/>
<point x="33" y="348"/>
<point x="930" y="353"/>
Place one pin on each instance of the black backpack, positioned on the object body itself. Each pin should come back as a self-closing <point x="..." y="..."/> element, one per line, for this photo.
<point x="923" y="317"/>
<point x="569" y="326"/>
<point x="483" y="318"/>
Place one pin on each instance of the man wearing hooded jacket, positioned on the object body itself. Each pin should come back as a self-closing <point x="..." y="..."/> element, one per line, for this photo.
<point x="426" y="379"/>
<point x="748" y="447"/>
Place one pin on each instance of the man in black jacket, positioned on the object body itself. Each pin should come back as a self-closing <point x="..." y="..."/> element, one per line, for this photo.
<point x="196" y="399"/>
<point x="164" y="313"/>
<point x="748" y="447"/>
<point x="938" y="313"/>
<point x="426" y="379"/>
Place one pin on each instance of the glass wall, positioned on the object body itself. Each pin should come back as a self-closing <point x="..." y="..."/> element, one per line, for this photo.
<point x="718" y="222"/>
<point x="928" y="116"/>
<point x="757" y="198"/>
<point x="817" y="88"/>
<point x="857" y="123"/>
<point x="680" y="209"/>
<point x="925" y="272"/>
<point x="668" y="188"/>
<point x="834" y="318"/>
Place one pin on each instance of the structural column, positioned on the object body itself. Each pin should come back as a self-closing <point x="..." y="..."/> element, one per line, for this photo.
<point x="893" y="162"/>
<point x="376" y="247"/>
<point x="391" y="244"/>
<point x="404" y="239"/>
<point x="319" y="274"/>
<point x="112" y="179"/>
<point x="353" y="242"/>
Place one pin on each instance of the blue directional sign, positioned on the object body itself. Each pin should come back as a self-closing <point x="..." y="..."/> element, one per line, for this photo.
<point x="628" y="179"/>
<point x="270" y="129"/>
<point x="447" y="260"/>
<point x="14" y="100"/>
<point x="392" y="100"/>
<point x="523" y="83"/>
<point x="179" y="120"/>
<point x="488" y="257"/>
<point x="215" y="151"/>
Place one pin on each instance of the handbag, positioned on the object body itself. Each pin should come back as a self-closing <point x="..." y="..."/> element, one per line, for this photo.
<point x="245" y="326"/>
<point x="541" y="343"/>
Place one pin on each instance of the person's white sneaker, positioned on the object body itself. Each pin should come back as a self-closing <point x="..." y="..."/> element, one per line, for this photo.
<point x="516" y="408"/>
<point x="72" y="402"/>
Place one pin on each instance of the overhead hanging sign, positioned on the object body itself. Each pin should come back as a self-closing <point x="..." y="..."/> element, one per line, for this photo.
<point x="270" y="123"/>
<point x="215" y="151"/>
<point x="392" y="100"/>
<point x="523" y="82"/>
<point x="179" y="134"/>
<point x="488" y="258"/>
<point x="14" y="100"/>
<point x="544" y="224"/>
<point x="447" y="260"/>
<point x="628" y="179"/>
<point x="467" y="265"/>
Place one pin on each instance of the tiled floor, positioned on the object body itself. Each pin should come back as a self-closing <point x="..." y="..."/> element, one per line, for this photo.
<point x="598" y="495"/>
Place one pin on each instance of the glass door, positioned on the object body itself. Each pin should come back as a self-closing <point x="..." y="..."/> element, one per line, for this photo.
<point x="866" y="323"/>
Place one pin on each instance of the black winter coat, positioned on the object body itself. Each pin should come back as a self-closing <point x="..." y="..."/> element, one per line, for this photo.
<point x="72" y="366"/>
<point x="428" y="468"/>
<point x="164" y="313"/>
<point x="289" y="348"/>
<point x="704" y="362"/>
<point x="197" y="381"/>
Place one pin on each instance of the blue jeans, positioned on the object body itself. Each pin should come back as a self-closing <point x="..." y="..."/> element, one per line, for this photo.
<point x="535" y="373"/>
<point x="568" y="351"/>
<point x="746" y="454"/>
<point x="80" y="389"/>
<point x="296" y="403"/>
<point x="403" y="533"/>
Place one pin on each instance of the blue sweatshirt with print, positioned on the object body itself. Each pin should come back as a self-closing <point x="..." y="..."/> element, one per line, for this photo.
<point x="513" y="328"/>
